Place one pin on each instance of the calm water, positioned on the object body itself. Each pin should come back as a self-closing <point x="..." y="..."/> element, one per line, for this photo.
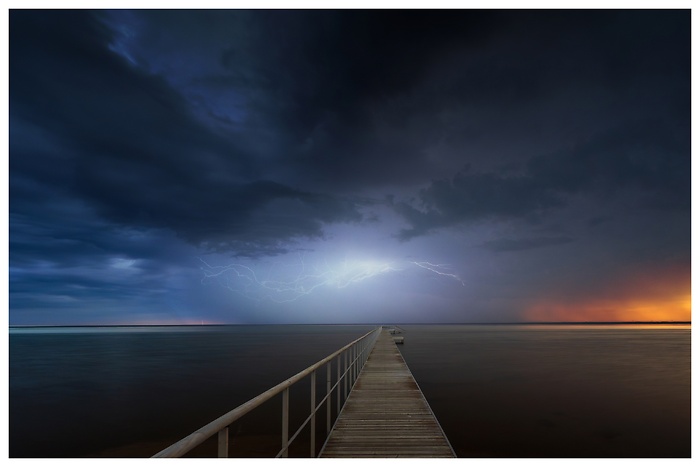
<point x="498" y="391"/>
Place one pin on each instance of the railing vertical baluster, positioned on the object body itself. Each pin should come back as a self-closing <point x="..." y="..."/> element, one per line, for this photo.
<point x="328" y="401"/>
<point x="345" y="376"/>
<point x="223" y="442"/>
<point x="285" y="422"/>
<point x="313" y="414"/>
<point x="360" y="362"/>
<point x="354" y="364"/>
<point x="362" y="353"/>
<point x="338" y="381"/>
<point x="356" y="368"/>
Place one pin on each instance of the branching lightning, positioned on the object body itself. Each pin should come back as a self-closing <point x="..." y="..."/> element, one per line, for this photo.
<point x="436" y="268"/>
<point x="284" y="283"/>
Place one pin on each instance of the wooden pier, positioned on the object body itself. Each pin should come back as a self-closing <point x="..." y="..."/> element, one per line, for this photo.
<point x="386" y="414"/>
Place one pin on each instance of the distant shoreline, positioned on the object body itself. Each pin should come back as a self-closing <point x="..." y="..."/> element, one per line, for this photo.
<point x="530" y="323"/>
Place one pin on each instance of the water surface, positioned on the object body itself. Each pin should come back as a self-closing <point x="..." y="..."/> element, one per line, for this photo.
<point x="557" y="391"/>
<point x="498" y="391"/>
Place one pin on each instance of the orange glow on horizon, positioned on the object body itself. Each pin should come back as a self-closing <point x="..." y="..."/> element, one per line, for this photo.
<point x="671" y="309"/>
<point x="663" y="296"/>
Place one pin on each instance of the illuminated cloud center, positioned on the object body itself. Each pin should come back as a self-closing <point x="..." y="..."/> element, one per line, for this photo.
<point x="288" y="282"/>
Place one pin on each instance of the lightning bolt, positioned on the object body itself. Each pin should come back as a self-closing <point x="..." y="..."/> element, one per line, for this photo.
<point x="307" y="278"/>
<point x="436" y="269"/>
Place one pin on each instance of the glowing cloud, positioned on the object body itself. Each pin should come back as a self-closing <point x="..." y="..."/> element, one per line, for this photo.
<point x="661" y="296"/>
<point x="285" y="282"/>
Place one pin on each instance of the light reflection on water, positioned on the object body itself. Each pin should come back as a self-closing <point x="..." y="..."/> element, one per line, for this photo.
<point x="498" y="391"/>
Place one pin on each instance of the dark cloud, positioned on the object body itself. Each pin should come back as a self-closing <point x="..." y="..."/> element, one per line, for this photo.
<point x="648" y="159"/>
<point x="69" y="261"/>
<point x="519" y="244"/>
<point x="308" y="82"/>
<point x="345" y="91"/>
<point x="355" y="99"/>
<point x="88" y="125"/>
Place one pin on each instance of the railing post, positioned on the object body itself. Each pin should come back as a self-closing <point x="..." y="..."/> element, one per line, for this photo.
<point x="345" y="376"/>
<point x="352" y="366"/>
<point x="354" y="363"/>
<point x="352" y="369"/>
<point x="285" y="422"/>
<point x="338" y="380"/>
<point x="349" y="372"/>
<point x="313" y="414"/>
<point x="328" y="401"/>
<point x="362" y="355"/>
<point x="223" y="442"/>
<point x="355" y="368"/>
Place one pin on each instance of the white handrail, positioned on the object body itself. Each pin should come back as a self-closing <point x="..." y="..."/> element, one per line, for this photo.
<point x="221" y="424"/>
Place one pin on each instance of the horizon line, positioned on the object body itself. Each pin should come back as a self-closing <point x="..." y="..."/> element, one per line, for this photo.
<point x="350" y="324"/>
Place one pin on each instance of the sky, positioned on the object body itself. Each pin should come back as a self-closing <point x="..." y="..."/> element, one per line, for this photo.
<point x="356" y="166"/>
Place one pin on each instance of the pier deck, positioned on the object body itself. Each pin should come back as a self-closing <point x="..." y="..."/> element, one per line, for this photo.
<point x="386" y="414"/>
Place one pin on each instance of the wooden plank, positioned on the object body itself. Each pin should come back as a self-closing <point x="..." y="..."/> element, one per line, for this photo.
<point x="386" y="414"/>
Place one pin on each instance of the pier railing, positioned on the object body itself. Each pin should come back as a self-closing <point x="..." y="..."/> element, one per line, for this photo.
<point x="349" y="360"/>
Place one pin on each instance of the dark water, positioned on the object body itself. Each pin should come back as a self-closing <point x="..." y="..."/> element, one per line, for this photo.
<point x="498" y="391"/>
<point x="556" y="391"/>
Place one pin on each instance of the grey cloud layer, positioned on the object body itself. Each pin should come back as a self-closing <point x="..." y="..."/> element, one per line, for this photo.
<point x="650" y="159"/>
<point x="87" y="125"/>
<point x="337" y="102"/>
<point x="157" y="135"/>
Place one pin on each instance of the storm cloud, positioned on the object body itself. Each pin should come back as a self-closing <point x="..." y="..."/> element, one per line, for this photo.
<point x="498" y="141"/>
<point x="89" y="126"/>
